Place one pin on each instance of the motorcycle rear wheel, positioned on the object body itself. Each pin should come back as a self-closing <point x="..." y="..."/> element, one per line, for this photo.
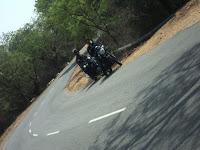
<point x="108" y="72"/>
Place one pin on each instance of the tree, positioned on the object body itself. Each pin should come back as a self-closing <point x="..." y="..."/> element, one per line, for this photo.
<point x="79" y="18"/>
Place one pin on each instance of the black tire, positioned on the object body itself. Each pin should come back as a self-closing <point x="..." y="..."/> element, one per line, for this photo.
<point x="108" y="72"/>
<point x="95" y="78"/>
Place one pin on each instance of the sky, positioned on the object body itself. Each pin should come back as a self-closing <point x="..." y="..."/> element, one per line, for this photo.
<point x="15" y="14"/>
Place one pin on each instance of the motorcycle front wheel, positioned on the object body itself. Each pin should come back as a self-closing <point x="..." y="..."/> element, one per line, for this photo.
<point x="108" y="72"/>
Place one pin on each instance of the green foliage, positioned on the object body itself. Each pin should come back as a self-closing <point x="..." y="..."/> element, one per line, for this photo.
<point x="15" y="84"/>
<point x="15" y="77"/>
<point x="79" y="18"/>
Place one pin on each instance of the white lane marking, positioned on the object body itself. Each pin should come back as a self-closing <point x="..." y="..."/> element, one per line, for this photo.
<point x="56" y="132"/>
<point x="30" y="124"/>
<point x="29" y="131"/>
<point x="35" y="134"/>
<point x="107" y="115"/>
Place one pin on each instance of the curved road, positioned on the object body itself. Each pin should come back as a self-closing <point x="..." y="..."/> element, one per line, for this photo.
<point x="151" y="103"/>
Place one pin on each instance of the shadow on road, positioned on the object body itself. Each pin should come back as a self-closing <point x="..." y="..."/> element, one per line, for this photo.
<point x="90" y="85"/>
<point x="104" y="78"/>
<point x="107" y="77"/>
<point x="168" y="116"/>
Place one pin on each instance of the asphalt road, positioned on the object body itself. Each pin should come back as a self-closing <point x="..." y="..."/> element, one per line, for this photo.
<point x="151" y="103"/>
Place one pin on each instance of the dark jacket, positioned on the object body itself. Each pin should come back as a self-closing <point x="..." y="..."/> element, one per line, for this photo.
<point x="92" y="49"/>
<point x="80" y="59"/>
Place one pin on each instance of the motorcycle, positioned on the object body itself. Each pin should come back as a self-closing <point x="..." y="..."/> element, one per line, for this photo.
<point x="106" y="59"/>
<point x="98" y="65"/>
<point x="91" y="67"/>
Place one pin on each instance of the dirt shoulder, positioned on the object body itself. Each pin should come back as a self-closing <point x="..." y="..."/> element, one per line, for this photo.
<point x="184" y="18"/>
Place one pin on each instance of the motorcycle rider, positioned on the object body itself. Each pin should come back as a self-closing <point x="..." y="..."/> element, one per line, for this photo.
<point x="79" y="58"/>
<point x="82" y="59"/>
<point x="98" y="51"/>
<point x="92" y="48"/>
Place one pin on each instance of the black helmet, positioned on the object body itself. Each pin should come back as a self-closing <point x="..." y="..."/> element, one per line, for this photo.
<point x="75" y="51"/>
